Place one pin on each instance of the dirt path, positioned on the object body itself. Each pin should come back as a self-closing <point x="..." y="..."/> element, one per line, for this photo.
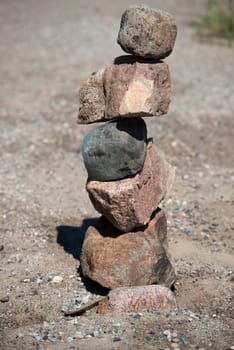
<point x="46" y="49"/>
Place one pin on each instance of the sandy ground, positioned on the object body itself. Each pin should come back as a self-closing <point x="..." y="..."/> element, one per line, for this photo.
<point x="46" y="49"/>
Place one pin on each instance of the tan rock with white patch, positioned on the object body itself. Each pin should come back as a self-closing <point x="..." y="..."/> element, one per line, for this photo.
<point x="130" y="87"/>
<point x="136" y="88"/>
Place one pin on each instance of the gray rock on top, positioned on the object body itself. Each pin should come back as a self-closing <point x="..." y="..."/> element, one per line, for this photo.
<point x="147" y="33"/>
<point x="115" y="150"/>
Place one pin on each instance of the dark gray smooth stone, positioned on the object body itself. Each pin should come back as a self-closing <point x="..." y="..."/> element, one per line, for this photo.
<point x="115" y="150"/>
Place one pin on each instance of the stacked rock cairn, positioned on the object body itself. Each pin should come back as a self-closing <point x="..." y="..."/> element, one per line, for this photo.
<point x="127" y="177"/>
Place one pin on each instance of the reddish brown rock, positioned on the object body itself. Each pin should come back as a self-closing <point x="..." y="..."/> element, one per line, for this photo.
<point x="129" y="203"/>
<point x="136" y="88"/>
<point x="146" y="32"/>
<point x="135" y="258"/>
<point x="135" y="299"/>
<point x="92" y="99"/>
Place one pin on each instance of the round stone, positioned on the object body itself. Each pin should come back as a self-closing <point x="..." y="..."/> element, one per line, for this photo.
<point x="115" y="150"/>
<point x="147" y="33"/>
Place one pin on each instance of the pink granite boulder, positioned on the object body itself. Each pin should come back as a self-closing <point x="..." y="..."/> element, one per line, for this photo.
<point x="139" y="298"/>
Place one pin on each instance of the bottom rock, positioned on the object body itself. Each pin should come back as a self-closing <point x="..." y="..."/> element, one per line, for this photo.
<point x="115" y="259"/>
<point x="140" y="298"/>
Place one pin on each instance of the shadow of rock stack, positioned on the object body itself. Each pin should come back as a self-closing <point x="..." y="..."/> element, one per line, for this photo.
<point x="127" y="178"/>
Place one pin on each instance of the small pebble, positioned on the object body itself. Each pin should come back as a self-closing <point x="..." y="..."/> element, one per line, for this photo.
<point x="167" y="333"/>
<point x="70" y="339"/>
<point x="51" y="338"/>
<point x="85" y="299"/>
<point x="36" y="336"/>
<point x="12" y="274"/>
<point x="215" y="186"/>
<point x="115" y="339"/>
<point x="96" y="334"/>
<point x="39" y="280"/>
<point x="77" y="301"/>
<point x="196" y="317"/>
<point x="79" y="335"/>
<point x="26" y="280"/>
<point x="184" y="340"/>
<point x="34" y="292"/>
<point x="174" y="334"/>
<point x="4" y="299"/>
<point x="57" y="279"/>
<point x="187" y="231"/>
<point x="136" y="316"/>
<point x="20" y="335"/>
<point x="1" y="247"/>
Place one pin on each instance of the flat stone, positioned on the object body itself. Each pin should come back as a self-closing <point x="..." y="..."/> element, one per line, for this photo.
<point x="92" y="99"/>
<point x="136" y="88"/>
<point x="129" y="203"/>
<point x="135" y="258"/>
<point x="139" y="298"/>
<point x="147" y="33"/>
<point x="115" y="150"/>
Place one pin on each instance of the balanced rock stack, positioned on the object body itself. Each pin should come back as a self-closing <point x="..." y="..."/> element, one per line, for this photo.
<point x="127" y="177"/>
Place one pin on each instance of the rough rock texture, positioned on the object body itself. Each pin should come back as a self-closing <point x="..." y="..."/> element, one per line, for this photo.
<point x="147" y="33"/>
<point x="115" y="150"/>
<point x="136" y="88"/>
<point x="130" y="87"/>
<point x="92" y="99"/>
<point x="129" y="203"/>
<point x="139" y="298"/>
<point x="135" y="258"/>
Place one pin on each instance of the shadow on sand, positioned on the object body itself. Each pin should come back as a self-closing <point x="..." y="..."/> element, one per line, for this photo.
<point x="71" y="238"/>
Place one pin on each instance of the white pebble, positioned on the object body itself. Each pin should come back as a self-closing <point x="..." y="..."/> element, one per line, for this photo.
<point x="57" y="279"/>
